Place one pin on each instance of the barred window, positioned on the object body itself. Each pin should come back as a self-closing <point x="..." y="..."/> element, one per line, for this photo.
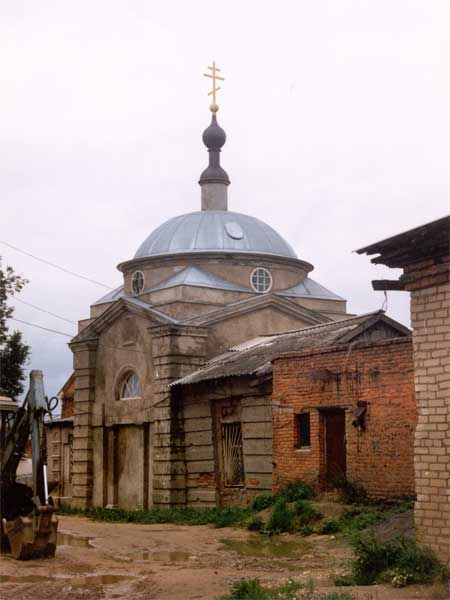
<point x="233" y="455"/>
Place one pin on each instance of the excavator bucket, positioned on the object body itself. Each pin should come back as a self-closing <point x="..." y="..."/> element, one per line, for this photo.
<point x="33" y="536"/>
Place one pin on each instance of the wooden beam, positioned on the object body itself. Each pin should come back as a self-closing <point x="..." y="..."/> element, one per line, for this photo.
<point x="381" y="285"/>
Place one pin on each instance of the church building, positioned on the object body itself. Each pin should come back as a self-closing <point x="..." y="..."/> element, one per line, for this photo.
<point x="198" y="285"/>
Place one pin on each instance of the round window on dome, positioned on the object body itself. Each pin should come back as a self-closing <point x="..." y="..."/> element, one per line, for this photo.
<point x="137" y="282"/>
<point x="261" y="280"/>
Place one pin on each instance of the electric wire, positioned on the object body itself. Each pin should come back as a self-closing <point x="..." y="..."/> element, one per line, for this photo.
<point x="73" y="335"/>
<point x="51" y="264"/>
<point x="45" y="311"/>
<point x="41" y="327"/>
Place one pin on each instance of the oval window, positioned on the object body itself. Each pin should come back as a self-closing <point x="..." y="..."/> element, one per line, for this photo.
<point x="261" y="280"/>
<point x="131" y="387"/>
<point x="234" y="230"/>
<point x="137" y="282"/>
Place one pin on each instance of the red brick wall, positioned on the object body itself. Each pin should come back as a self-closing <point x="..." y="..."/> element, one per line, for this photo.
<point x="381" y="374"/>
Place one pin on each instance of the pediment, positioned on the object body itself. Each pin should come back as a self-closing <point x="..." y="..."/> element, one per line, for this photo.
<point x="118" y="309"/>
<point x="277" y="303"/>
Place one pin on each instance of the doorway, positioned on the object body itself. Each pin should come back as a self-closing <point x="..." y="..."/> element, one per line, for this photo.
<point x="335" y="447"/>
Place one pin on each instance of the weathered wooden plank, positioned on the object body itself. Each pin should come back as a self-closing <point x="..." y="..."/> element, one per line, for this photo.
<point x="201" y="495"/>
<point x="198" y="438"/>
<point x="257" y="464"/>
<point x="258" y="481"/>
<point x="256" y="430"/>
<point x="200" y="466"/>
<point x="197" y="409"/>
<point x="258" y="446"/>
<point x="198" y="424"/>
<point x="199" y="452"/>
<point x="256" y="414"/>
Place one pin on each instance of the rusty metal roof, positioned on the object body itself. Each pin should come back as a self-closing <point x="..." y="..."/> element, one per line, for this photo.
<point x="255" y="356"/>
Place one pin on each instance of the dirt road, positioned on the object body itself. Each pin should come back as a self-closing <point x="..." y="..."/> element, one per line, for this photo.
<point x="174" y="562"/>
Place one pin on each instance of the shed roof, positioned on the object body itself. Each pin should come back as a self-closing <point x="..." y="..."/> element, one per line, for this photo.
<point x="255" y="356"/>
<point x="409" y="247"/>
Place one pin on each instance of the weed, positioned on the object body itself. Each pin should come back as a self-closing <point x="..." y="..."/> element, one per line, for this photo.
<point x="352" y="493"/>
<point x="399" y="562"/>
<point x="337" y="596"/>
<point x="219" y="517"/>
<point x="255" y="524"/>
<point x="306" y="530"/>
<point x="261" y="502"/>
<point x="248" y="589"/>
<point x="280" y="520"/>
<point x="251" y="589"/>
<point x="330" y="526"/>
<point x="354" y="519"/>
<point x="296" y="491"/>
<point x="343" y="580"/>
<point x="305" y="512"/>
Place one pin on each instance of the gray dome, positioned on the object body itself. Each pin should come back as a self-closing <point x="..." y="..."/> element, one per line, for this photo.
<point x="214" y="230"/>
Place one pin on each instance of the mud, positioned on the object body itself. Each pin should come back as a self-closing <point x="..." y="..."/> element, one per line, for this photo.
<point x="172" y="562"/>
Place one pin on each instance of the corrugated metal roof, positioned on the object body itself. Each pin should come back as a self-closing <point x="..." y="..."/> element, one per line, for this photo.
<point x="209" y="230"/>
<point x="256" y="357"/>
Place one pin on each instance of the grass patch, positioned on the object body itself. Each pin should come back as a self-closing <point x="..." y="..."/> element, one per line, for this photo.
<point x="255" y="524"/>
<point x="330" y="526"/>
<point x="251" y="589"/>
<point x="296" y="491"/>
<point x="261" y="502"/>
<point x="401" y="562"/>
<point x="219" y="517"/>
<point x="281" y="519"/>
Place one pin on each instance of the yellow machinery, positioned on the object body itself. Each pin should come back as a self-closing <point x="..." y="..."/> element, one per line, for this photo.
<point x="29" y="524"/>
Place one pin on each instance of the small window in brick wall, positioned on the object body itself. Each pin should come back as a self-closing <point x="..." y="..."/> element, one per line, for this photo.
<point x="303" y="430"/>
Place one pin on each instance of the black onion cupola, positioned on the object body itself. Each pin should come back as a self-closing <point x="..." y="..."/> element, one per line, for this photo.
<point x="214" y="180"/>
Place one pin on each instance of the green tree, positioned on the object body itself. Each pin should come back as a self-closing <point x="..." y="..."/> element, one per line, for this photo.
<point x="13" y="352"/>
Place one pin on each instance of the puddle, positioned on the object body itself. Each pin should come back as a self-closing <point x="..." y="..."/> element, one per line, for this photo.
<point x="161" y="556"/>
<point x="266" y="548"/>
<point x="97" y="579"/>
<point x="24" y="579"/>
<point x="86" y="580"/>
<point x="69" y="539"/>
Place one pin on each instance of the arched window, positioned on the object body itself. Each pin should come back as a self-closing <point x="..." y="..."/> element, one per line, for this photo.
<point x="130" y="387"/>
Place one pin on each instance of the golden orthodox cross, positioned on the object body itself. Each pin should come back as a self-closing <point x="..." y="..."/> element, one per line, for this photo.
<point x="214" y="77"/>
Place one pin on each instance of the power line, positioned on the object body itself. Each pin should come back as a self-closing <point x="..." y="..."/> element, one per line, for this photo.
<point x="51" y="264"/>
<point x="73" y="335"/>
<point x="40" y="327"/>
<point x="46" y="311"/>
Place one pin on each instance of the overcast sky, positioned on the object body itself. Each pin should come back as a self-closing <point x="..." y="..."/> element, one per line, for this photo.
<point x="336" y="112"/>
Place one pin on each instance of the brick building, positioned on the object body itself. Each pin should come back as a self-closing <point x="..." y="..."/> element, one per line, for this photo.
<point x="247" y="425"/>
<point x="423" y="253"/>
<point x="346" y="412"/>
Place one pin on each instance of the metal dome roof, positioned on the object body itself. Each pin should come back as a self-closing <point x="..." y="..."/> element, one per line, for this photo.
<point x="214" y="230"/>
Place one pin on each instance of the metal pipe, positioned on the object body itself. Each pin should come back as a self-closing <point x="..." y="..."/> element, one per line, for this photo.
<point x="44" y="470"/>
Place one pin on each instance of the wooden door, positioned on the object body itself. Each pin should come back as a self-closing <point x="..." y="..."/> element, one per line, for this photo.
<point x="336" y="464"/>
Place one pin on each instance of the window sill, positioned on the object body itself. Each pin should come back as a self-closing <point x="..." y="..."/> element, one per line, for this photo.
<point x="303" y="449"/>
